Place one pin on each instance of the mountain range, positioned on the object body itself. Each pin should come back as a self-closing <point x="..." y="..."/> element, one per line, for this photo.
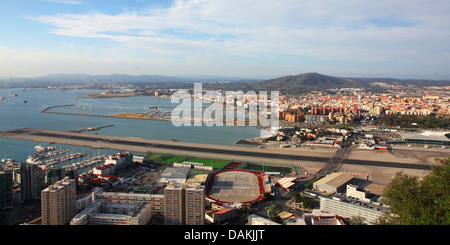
<point x="285" y="84"/>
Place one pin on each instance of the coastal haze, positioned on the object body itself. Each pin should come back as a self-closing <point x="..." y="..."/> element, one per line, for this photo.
<point x="356" y="93"/>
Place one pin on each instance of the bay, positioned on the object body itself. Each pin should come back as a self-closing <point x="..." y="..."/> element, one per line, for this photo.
<point x="14" y="114"/>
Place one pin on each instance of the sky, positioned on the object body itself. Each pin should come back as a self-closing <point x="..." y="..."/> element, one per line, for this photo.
<point x="240" y="38"/>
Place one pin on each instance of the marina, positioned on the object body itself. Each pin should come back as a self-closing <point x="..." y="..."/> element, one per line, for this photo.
<point x="49" y="156"/>
<point x="38" y="156"/>
<point x="89" y="162"/>
<point x="39" y="148"/>
<point x="52" y="161"/>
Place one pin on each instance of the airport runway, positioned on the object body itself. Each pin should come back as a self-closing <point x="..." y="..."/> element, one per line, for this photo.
<point x="185" y="148"/>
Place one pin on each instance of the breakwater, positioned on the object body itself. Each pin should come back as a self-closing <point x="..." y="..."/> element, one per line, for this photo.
<point x="122" y="115"/>
<point x="91" y="129"/>
<point x="144" y="116"/>
<point x="54" y="106"/>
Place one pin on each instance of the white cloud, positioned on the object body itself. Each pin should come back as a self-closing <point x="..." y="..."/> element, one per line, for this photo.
<point x="74" y="2"/>
<point x="65" y="1"/>
<point x="325" y="30"/>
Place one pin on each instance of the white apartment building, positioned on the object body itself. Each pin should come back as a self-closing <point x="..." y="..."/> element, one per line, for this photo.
<point x="349" y="207"/>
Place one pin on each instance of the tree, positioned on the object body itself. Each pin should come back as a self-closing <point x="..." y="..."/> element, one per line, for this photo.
<point x="416" y="202"/>
<point x="271" y="208"/>
<point x="358" y="220"/>
<point x="304" y="202"/>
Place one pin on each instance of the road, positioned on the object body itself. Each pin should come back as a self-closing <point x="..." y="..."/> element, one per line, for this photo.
<point x="335" y="162"/>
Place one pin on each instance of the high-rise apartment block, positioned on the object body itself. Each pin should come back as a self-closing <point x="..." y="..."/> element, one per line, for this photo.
<point x="184" y="204"/>
<point x="30" y="185"/>
<point x="194" y="205"/>
<point x="6" y="184"/>
<point x="58" y="202"/>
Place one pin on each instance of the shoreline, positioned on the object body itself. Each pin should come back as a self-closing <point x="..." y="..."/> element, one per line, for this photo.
<point x="100" y="95"/>
<point x="257" y="141"/>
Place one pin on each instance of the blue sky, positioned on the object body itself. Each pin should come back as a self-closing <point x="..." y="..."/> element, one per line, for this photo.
<point x="248" y="38"/>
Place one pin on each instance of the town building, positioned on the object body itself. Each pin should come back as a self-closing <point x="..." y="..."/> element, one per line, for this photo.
<point x="100" y="180"/>
<point x="291" y="115"/>
<point x="6" y="187"/>
<point x="114" y="208"/>
<point x="105" y="169"/>
<point x="104" y="212"/>
<point x="173" y="176"/>
<point x="317" y="217"/>
<point x="334" y="182"/>
<point x="156" y="200"/>
<point x="54" y="174"/>
<point x="120" y="161"/>
<point x="86" y="198"/>
<point x="350" y="207"/>
<point x="29" y="179"/>
<point x="361" y="194"/>
<point x="220" y="214"/>
<point x="427" y="137"/>
<point x="184" y="204"/>
<point x="58" y="202"/>
<point x="254" y="219"/>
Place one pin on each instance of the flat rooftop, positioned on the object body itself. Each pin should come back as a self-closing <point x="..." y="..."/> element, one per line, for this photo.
<point x="175" y="173"/>
<point x="427" y="135"/>
<point x="335" y="179"/>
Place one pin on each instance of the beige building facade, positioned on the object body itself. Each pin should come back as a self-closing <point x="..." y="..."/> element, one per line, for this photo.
<point x="184" y="204"/>
<point x="58" y="202"/>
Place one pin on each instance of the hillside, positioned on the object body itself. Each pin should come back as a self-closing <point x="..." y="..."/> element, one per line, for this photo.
<point x="306" y="82"/>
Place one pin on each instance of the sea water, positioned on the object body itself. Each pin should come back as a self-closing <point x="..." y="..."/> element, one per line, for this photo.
<point x="15" y="114"/>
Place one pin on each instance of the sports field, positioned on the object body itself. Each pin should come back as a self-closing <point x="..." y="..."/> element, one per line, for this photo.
<point x="169" y="159"/>
<point x="172" y="159"/>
